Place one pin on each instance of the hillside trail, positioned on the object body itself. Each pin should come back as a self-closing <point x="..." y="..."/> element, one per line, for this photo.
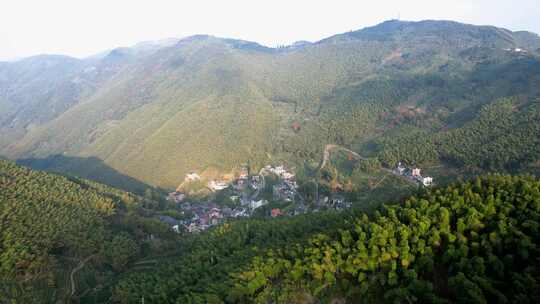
<point x="329" y="147"/>
<point x="79" y="267"/>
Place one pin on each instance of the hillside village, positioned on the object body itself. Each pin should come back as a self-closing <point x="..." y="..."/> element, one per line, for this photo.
<point x="245" y="192"/>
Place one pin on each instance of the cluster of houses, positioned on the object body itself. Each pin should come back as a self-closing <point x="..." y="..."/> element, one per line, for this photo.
<point x="216" y="185"/>
<point x="335" y="201"/>
<point x="204" y="215"/>
<point x="208" y="215"/>
<point x="414" y="174"/>
<point x="281" y="171"/>
<point x="245" y="193"/>
<point x="287" y="188"/>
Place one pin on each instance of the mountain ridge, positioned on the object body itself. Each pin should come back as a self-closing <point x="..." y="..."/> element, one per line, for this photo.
<point x="237" y="100"/>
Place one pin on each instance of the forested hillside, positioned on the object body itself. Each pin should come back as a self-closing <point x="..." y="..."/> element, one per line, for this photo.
<point x="458" y="101"/>
<point x="64" y="238"/>
<point x="471" y="242"/>
<point x="504" y="135"/>
<point x="422" y="92"/>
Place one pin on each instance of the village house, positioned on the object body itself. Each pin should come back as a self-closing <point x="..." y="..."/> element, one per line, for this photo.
<point x="171" y="221"/>
<point x="278" y="170"/>
<point x="244" y="173"/>
<point x="256" y="182"/>
<point x="176" y="197"/>
<point x="276" y="212"/>
<point x="415" y="175"/>
<point x="217" y="185"/>
<point x="256" y="204"/>
<point x="240" y="184"/>
<point x="215" y="216"/>
<point x="287" y="175"/>
<point x="226" y="212"/>
<point x="299" y="209"/>
<point x="291" y="184"/>
<point x="427" y="181"/>
<point x="192" y="176"/>
<point x="193" y="227"/>
<point x="282" y="192"/>
<point x="239" y="212"/>
<point x="400" y="169"/>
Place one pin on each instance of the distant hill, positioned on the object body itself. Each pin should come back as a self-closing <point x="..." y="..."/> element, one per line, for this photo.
<point x="209" y="103"/>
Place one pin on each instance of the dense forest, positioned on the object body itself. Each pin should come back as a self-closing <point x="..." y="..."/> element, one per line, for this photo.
<point x="474" y="242"/>
<point x="469" y="242"/>
<point x="72" y="240"/>
<point x="63" y="237"/>
<point x="505" y="135"/>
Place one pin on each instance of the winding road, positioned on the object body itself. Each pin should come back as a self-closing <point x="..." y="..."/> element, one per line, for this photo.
<point x="330" y="147"/>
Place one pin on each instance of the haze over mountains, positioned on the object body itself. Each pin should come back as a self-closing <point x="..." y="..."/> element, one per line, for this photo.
<point x="157" y="111"/>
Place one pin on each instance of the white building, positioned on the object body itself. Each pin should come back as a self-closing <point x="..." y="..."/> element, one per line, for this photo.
<point x="400" y="168"/>
<point x="427" y="181"/>
<point x="192" y="176"/>
<point x="217" y="185"/>
<point x="256" y="204"/>
<point x="279" y="170"/>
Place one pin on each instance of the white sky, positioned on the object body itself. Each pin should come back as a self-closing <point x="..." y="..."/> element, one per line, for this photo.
<point x="81" y="28"/>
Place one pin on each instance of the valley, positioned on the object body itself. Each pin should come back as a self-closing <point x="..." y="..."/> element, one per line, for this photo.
<point x="394" y="163"/>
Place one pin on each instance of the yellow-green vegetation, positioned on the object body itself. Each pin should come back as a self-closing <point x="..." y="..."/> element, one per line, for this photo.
<point x="60" y="237"/>
<point x="209" y="103"/>
<point x="473" y="241"/>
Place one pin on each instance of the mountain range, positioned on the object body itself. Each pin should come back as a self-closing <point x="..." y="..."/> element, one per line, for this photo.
<point x="321" y="213"/>
<point x="429" y="92"/>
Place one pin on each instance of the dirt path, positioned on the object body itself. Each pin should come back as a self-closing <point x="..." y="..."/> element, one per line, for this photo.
<point x="328" y="148"/>
<point x="378" y="183"/>
<point x="74" y="271"/>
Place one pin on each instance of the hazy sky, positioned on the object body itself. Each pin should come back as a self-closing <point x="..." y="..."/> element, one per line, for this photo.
<point x="80" y="28"/>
